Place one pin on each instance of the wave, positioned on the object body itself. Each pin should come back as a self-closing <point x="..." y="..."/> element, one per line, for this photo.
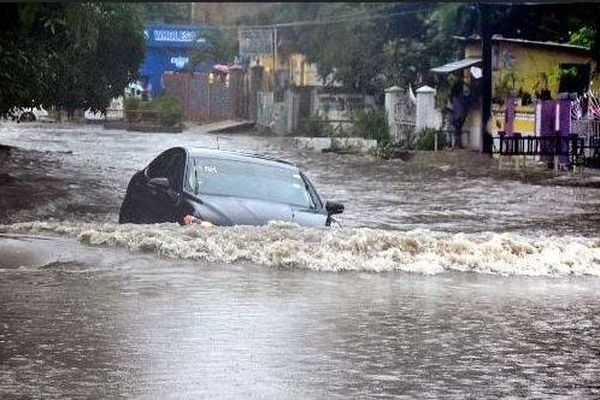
<point x="283" y="245"/>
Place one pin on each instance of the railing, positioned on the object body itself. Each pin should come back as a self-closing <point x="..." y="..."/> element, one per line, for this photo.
<point x="589" y="130"/>
<point x="586" y="128"/>
<point x="570" y="146"/>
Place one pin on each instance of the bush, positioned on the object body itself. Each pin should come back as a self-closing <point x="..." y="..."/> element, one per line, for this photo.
<point x="131" y="104"/>
<point x="425" y="139"/>
<point x="164" y="111"/>
<point x="170" y="112"/>
<point x="317" y="126"/>
<point x="371" y="124"/>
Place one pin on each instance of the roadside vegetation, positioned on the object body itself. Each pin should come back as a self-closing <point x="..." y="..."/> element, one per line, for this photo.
<point x="67" y="55"/>
<point x="163" y="111"/>
<point x="426" y="139"/>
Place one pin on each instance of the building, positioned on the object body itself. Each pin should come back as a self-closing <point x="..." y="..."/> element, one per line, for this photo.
<point x="521" y="69"/>
<point x="169" y="48"/>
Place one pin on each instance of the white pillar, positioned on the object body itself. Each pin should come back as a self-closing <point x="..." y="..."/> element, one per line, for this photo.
<point x="427" y="115"/>
<point x="392" y="98"/>
<point x="538" y="118"/>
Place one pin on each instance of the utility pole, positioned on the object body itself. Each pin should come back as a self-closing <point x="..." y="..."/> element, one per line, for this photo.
<point x="274" y="57"/>
<point x="486" y="81"/>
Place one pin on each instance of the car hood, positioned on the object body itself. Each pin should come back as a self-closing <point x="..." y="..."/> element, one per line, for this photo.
<point x="222" y="210"/>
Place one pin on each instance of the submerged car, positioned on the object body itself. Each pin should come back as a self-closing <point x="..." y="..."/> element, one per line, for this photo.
<point x="223" y="188"/>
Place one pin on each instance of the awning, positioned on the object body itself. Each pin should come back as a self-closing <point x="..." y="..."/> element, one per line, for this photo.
<point x="456" y="66"/>
<point x="224" y="69"/>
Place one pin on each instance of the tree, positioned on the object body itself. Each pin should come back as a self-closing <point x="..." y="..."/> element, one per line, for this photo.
<point x="101" y="48"/>
<point x="366" y="46"/>
<point x="67" y="55"/>
<point x="222" y="47"/>
<point x="367" y="52"/>
<point x="25" y="72"/>
<point x="161" y="12"/>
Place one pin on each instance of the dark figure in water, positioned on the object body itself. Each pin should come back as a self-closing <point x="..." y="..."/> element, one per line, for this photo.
<point x="459" y="101"/>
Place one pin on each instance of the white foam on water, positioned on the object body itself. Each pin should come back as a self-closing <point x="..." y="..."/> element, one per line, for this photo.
<point x="283" y="245"/>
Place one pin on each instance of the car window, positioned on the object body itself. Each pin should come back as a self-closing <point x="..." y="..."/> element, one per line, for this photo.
<point x="175" y="169"/>
<point x="314" y="197"/>
<point x="248" y="180"/>
<point x="158" y="167"/>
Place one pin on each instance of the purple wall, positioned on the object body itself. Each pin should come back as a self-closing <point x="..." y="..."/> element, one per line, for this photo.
<point x="548" y="117"/>
<point x="509" y="116"/>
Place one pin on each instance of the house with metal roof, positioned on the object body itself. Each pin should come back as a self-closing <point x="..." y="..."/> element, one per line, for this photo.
<point x="523" y="69"/>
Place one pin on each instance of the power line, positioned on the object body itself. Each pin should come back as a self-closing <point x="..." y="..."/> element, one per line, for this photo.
<point x="358" y="17"/>
<point x="271" y="26"/>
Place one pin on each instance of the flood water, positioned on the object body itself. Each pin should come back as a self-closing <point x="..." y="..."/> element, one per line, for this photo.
<point x="442" y="283"/>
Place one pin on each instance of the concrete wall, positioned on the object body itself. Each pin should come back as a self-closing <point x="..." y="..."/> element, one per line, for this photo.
<point x="472" y="125"/>
<point x="427" y="114"/>
<point x="320" y="144"/>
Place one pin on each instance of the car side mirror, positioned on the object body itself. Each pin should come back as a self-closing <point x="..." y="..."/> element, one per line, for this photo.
<point x="161" y="183"/>
<point x="334" y="208"/>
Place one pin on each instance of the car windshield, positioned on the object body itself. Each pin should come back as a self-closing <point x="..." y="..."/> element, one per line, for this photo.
<point x="248" y="180"/>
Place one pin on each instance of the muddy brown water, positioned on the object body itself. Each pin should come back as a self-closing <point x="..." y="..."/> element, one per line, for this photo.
<point x="443" y="283"/>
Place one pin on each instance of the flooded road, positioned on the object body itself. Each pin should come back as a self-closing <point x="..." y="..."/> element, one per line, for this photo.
<point x="445" y="282"/>
<point x="96" y="322"/>
<point x="441" y="192"/>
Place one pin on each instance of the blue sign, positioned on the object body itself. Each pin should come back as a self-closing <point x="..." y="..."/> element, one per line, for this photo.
<point x="174" y="36"/>
<point x="179" y="61"/>
<point x="169" y="48"/>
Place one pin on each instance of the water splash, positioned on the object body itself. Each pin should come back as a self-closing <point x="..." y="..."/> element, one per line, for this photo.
<point x="282" y="245"/>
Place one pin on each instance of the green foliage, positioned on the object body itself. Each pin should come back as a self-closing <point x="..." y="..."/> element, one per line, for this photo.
<point x="371" y="124"/>
<point x="67" y="55"/>
<point x="131" y="104"/>
<point x="222" y="48"/>
<point x="584" y="36"/>
<point x="366" y="55"/>
<point x="170" y="111"/>
<point x="507" y="86"/>
<point x="425" y="139"/>
<point x="317" y="126"/>
<point x="164" y="12"/>
<point x="164" y="111"/>
<point x="384" y="150"/>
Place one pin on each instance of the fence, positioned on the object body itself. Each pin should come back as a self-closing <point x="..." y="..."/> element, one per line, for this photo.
<point x="206" y="98"/>
<point x="282" y="117"/>
<point x="570" y="147"/>
<point x="271" y="114"/>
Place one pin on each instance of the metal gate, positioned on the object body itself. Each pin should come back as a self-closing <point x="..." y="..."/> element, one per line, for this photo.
<point x="405" y="118"/>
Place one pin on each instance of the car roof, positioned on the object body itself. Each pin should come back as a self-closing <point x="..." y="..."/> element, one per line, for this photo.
<point x="238" y="156"/>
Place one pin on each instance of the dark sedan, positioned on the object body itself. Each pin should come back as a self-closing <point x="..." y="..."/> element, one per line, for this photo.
<point x="223" y="188"/>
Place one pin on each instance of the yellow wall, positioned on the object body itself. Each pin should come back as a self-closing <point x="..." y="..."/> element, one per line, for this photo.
<point x="267" y="62"/>
<point x="528" y="63"/>
<point x="301" y="72"/>
<point x="523" y="123"/>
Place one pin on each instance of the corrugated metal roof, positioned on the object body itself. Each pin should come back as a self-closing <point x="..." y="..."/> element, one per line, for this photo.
<point x="500" y="38"/>
<point x="456" y="65"/>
